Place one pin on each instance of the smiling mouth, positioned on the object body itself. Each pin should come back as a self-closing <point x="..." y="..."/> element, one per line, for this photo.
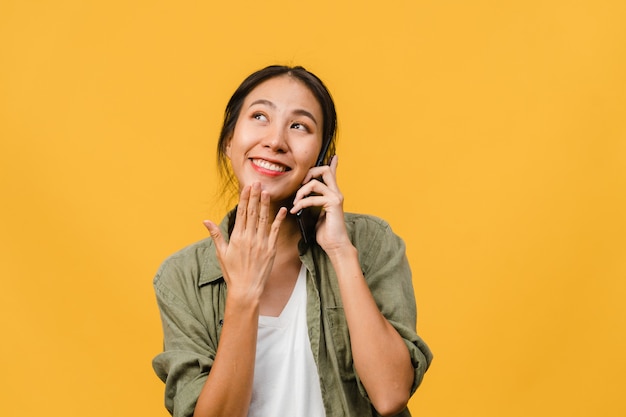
<point x="269" y="166"/>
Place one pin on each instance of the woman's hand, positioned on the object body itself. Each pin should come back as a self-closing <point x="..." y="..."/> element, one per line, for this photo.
<point x="246" y="262"/>
<point x="247" y="259"/>
<point x="331" y="231"/>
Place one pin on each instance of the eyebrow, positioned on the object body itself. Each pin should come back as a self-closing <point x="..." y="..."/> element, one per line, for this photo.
<point x="300" y="112"/>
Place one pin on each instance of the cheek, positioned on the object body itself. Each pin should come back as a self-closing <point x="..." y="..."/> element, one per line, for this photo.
<point x="308" y="148"/>
<point x="308" y="155"/>
<point x="315" y="152"/>
<point x="236" y="143"/>
<point x="243" y="137"/>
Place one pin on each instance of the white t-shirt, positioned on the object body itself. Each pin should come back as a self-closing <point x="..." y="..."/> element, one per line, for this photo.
<point x="286" y="382"/>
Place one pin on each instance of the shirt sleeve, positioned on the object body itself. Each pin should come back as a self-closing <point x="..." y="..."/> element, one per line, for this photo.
<point x="188" y="353"/>
<point x="386" y="269"/>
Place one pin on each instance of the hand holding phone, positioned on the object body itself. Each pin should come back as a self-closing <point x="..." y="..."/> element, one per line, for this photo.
<point x="307" y="218"/>
<point x="323" y="218"/>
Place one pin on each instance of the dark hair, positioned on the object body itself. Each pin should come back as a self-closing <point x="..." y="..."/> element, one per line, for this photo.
<point x="233" y="109"/>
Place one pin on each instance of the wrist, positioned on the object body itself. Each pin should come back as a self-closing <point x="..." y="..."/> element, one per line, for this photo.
<point x="341" y="252"/>
<point x="241" y="301"/>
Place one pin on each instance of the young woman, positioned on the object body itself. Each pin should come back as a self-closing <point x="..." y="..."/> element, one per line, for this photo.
<point x="263" y="320"/>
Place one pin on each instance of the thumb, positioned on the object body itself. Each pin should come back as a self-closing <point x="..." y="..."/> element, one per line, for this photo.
<point x="216" y="235"/>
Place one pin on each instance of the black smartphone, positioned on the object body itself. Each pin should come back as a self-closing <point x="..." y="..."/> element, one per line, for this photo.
<point x="307" y="218"/>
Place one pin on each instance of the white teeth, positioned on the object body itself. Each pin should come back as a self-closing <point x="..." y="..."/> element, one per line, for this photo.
<point x="268" y="165"/>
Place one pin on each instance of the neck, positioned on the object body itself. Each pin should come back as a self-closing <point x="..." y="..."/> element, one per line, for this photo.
<point x="289" y="234"/>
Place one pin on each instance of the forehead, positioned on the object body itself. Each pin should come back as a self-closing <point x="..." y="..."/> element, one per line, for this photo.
<point x="287" y="93"/>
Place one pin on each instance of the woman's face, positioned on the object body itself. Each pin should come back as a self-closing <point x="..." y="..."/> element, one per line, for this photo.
<point x="277" y="137"/>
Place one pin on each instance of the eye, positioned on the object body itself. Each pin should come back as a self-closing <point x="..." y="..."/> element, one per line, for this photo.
<point x="299" y="126"/>
<point x="259" y="116"/>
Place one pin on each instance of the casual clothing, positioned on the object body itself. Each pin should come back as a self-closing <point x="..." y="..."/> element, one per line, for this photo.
<point x="286" y="382"/>
<point x="191" y="294"/>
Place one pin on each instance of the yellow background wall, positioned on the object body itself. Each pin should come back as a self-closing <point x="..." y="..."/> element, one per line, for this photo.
<point x="491" y="135"/>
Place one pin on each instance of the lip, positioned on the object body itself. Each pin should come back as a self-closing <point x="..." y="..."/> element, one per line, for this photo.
<point x="268" y="170"/>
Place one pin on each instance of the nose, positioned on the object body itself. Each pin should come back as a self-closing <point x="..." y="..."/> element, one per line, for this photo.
<point x="276" y="140"/>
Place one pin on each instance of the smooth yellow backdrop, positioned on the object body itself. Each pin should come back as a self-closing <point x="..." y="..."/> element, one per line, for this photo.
<point x="490" y="134"/>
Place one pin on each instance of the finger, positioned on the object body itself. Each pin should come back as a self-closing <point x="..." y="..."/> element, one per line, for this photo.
<point x="253" y="208"/>
<point x="301" y="194"/>
<point x="317" y="171"/>
<point x="242" y="208"/>
<point x="329" y="176"/>
<point x="311" y="201"/>
<point x="317" y="194"/>
<point x="312" y="187"/>
<point x="278" y="220"/>
<point x="313" y="173"/>
<point x="325" y="174"/>
<point x="264" y="212"/>
<point x="216" y="235"/>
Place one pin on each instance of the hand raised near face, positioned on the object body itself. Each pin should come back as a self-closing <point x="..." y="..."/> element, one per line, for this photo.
<point x="330" y="229"/>
<point x="247" y="258"/>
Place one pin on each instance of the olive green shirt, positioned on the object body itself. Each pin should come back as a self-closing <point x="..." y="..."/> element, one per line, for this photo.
<point x="191" y="295"/>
